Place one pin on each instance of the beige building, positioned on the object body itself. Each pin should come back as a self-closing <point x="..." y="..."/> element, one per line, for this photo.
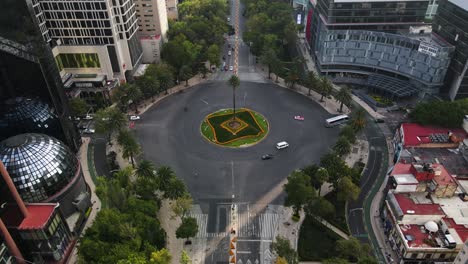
<point x="172" y="12"/>
<point x="152" y="17"/>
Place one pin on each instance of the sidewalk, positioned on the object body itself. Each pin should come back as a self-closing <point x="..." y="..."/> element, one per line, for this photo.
<point x="96" y="203"/>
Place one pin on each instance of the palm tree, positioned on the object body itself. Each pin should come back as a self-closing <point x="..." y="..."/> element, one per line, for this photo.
<point x="344" y="97"/>
<point x="311" y="80"/>
<point x="146" y="169"/>
<point x="234" y="82"/>
<point x="321" y="176"/>
<point x="123" y="177"/>
<point x="325" y="87"/>
<point x="165" y="174"/>
<point x="359" y="120"/>
<point x="130" y="146"/>
<point x="185" y="74"/>
<point x="108" y="121"/>
<point x="342" y="146"/>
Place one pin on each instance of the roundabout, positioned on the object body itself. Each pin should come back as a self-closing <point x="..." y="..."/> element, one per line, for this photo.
<point x="245" y="128"/>
<point x="170" y="134"/>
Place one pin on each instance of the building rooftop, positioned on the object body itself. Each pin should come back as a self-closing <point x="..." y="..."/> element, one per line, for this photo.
<point x="416" y="236"/>
<point x="401" y="168"/>
<point x="460" y="3"/>
<point x="461" y="230"/>
<point x="415" y="134"/>
<point x="442" y="177"/>
<point x="407" y="204"/>
<point x="39" y="215"/>
<point x="453" y="207"/>
<point x="452" y="159"/>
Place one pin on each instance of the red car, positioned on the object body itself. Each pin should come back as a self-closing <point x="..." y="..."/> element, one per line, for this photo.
<point x="298" y="117"/>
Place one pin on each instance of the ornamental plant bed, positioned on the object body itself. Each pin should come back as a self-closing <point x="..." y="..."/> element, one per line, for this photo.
<point x="223" y="134"/>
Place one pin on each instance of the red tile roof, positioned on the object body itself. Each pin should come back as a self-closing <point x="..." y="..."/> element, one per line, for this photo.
<point x="462" y="231"/>
<point x="406" y="204"/>
<point x="401" y="168"/>
<point x="415" y="134"/>
<point x="39" y="215"/>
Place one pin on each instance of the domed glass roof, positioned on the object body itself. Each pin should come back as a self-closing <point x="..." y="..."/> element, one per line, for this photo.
<point x="39" y="165"/>
<point x="21" y="115"/>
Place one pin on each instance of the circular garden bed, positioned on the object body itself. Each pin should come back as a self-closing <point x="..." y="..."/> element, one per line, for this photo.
<point x="246" y="129"/>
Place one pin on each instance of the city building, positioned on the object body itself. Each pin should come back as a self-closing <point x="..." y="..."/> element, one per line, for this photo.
<point x="424" y="214"/>
<point x="432" y="9"/>
<point x="95" y="40"/>
<point x="32" y="97"/>
<point x="152" y="17"/>
<point x="451" y="23"/>
<point x="171" y="7"/>
<point x="382" y="45"/>
<point x="152" y="46"/>
<point x="462" y="257"/>
<point x="44" y="170"/>
<point x="5" y="256"/>
<point x="33" y="232"/>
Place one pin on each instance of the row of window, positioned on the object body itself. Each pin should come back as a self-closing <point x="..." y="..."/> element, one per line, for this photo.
<point x="84" y="24"/>
<point x="67" y="5"/>
<point x="372" y="38"/>
<point x="80" y="32"/>
<point x="93" y="15"/>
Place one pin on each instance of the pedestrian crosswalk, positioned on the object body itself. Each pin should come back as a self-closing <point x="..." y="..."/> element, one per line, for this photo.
<point x="262" y="226"/>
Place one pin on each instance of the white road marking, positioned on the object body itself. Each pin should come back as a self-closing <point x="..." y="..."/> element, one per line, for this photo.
<point x="204" y="101"/>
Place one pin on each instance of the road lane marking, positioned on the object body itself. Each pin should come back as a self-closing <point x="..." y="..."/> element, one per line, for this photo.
<point x="204" y="101"/>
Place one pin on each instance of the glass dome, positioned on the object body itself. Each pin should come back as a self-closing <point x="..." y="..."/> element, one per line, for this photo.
<point x="39" y="165"/>
<point x="23" y="115"/>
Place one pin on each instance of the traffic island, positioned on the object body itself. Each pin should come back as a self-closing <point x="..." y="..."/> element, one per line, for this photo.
<point x="245" y="129"/>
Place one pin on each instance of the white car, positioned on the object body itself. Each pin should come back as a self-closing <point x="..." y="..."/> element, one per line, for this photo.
<point x="89" y="131"/>
<point x="134" y="117"/>
<point x="229" y="53"/>
<point x="88" y="117"/>
<point x="282" y="145"/>
<point x="229" y="19"/>
<point x="231" y="68"/>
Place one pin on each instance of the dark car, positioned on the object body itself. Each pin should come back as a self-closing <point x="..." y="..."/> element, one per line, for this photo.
<point x="379" y="120"/>
<point x="267" y="156"/>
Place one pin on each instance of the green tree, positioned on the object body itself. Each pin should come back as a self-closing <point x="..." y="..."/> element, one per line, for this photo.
<point x="188" y="228"/>
<point x="276" y="67"/>
<point x="349" y="133"/>
<point x="78" y="106"/>
<point x="123" y="177"/>
<point x="234" y="82"/>
<point x="269" y="58"/>
<point x="358" y="120"/>
<point x="325" y="87"/>
<point x="164" y="74"/>
<point x="440" y="113"/>
<point x="344" y="97"/>
<point x="298" y="190"/>
<point x="148" y="85"/>
<point x="213" y="55"/>
<point x="335" y="261"/>
<point x="312" y="82"/>
<point x="350" y="249"/>
<point x="317" y="175"/>
<point x="320" y="207"/>
<point x="367" y="260"/>
<point x="161" y="257"/>
<point x="203" y="70"/>
<point x="185" y="74"/>
<point x="335" y="167"/>
<point x="134" y="95"/>
<point x="175" y="189"/>
<point x="281" y="260"/>
<point x="134" y="259"/>
<point x="108" y="121"/>
<point x="182" y="206"/>
<point x="347" y="190"/>
<point x="130" y="147"/>
<point x="283" y="249"/>
<point x="146" y="169"/>
<point x="342" y="147"/>
<point x="165" y="175"/>
<point x="184" y="258"/>
<point x="291" y="78"/>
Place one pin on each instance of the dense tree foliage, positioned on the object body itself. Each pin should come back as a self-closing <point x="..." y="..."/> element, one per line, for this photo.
<point x="441" y="113"/>
<point x="299" y="190"/>
<point x="78" y="106"/>
<point x="109" y="121"/>
<point x="283" y="249"/>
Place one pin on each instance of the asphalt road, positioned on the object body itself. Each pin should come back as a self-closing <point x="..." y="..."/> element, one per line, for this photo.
<point x="170" y="136"/>
<point x="372" y="170"/>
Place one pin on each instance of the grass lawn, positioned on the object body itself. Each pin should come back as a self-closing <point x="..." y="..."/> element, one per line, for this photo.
<point x="340" y="207"/>
<point x="256" y="127"/>
<point x="316" y="242"/>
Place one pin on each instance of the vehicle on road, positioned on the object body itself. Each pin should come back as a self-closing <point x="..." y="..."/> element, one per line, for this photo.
<point x="229" y="19"/>
<point x="224" y="57"/>
<point x="231" y="68"/>
<point x="134" y="117"/>
<point x="282" y="145"/>
<point x="267" y="156"/>
<point x="225" y="68"/>
<point x="88" y="117"/>
<point x="379" y="120"/>
<point x="229" y="53"/>
<point x="334" y="121"/>
<point x="299" y="117"/>
<point x="89" y="131"/>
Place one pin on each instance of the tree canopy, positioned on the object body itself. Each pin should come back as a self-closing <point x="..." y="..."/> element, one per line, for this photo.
<point x="440" y="113"/>
<point x="299" y="190"/>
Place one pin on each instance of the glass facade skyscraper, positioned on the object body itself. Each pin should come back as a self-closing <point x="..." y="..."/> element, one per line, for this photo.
<point x="451" y="23"/>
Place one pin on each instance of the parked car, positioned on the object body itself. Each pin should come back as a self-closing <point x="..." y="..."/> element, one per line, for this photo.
<point x="229" y="19"/>
<point x="299" y="117"/>
<point x="379" y="120"/>
<point x="89" y="131"/>
<point x="231" y="68"/>
<point x="229" y="53"/>
<point x="267" y="156"/>
<point x="134" y="117"/>
<point x="88" y="117"/>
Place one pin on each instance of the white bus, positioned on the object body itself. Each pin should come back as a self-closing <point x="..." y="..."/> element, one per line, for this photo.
<point x="334" y="121"/>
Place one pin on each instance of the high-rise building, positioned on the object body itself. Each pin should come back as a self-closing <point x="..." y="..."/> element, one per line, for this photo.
<point x="432" y="9"/>
<point x="32" y="97"/>
<point x="91" y="38"/>
<point x="5" y="256"/>
<point x="451" y="23"/>
<point x="171" y="7"/>
<point x="383" y="45"/>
